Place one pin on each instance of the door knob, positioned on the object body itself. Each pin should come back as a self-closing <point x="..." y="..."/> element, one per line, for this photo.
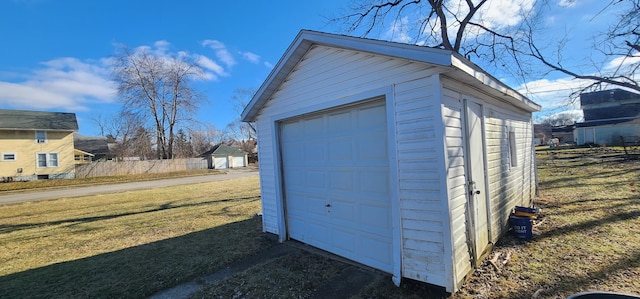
<point x="328" y="206"/>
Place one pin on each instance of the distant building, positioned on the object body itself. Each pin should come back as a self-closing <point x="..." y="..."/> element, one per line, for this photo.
<point x="94" y="145"/>
<point x="36" y="145"/>
<point x="610" y="116"/>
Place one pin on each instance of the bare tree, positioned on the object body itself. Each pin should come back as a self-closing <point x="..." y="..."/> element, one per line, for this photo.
<point x="204" y="137"/>
<point x="237" y="129"/>
<point x="159" y="86"/>
<point x="127" y="130"/>
<point x="462" y="27"/>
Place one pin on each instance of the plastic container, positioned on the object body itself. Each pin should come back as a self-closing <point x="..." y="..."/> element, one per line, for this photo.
<point x="526" y="212"/>
<point x="522" y="227"/>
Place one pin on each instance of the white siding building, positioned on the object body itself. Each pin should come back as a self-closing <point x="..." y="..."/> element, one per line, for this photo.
<point x="404" y="158"/>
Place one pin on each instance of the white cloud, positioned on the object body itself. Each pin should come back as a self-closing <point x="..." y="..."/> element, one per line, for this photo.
<point x="221" y="52"/>
<point x="504" y="13"/>
<point x="64" y="83"/>
<point x="210" y="65"/>
<point x="268" y="64"/>
<point x="251" y="57"/>
<point x="399" y="31"/>
<point x="623" y="63"/>
<point x="567" y="3"/>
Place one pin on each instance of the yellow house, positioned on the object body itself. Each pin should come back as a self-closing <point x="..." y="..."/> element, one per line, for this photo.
<point x="36" y="145"/>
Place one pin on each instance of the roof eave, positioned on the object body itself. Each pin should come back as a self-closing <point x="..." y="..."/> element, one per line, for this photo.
<point x="492" y="85"/>
<point x="437" y="57"/>
<point x="306" y="39"/>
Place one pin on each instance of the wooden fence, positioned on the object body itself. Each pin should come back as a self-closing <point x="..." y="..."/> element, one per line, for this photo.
<point x="111" y="168"/>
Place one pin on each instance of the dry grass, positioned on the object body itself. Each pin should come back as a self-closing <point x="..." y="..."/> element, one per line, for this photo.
<point x="589" y="238"/>
<point x="42" y="184"/>
<point x="136" y="243"/>
<point x="127" y="245"/>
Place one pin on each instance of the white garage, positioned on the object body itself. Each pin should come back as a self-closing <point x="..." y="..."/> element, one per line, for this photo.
<point x="223" y="156"/>
<point x="404" y="158"/>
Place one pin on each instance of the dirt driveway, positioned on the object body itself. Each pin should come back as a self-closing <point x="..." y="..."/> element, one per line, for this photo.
<point x="115" y="188"/>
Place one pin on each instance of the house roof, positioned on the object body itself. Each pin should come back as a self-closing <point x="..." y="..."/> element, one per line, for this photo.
<point x="460" y="68"/>
<point x="613" y="121"/>
<point x="224" y="150"/>
<point x="37" y="120"/>
<point x="96" y="145"/>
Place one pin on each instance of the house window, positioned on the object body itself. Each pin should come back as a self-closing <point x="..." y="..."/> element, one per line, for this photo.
<point x="47" y="160"/>
<point x="8" y="156"/>
<point x="41" y="137"/>
<point x="513" y="152"/>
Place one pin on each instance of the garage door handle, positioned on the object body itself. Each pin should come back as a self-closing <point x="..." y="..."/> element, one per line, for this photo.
<point x="328" y="206"/>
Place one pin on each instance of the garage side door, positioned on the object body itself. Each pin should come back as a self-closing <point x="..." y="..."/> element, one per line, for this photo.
<point x="336" y="182"/>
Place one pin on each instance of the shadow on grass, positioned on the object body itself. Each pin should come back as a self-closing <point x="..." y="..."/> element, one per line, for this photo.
<point x="143" y="270"/>
<point x="575" y="284"/>
<point x="163" y="207"/>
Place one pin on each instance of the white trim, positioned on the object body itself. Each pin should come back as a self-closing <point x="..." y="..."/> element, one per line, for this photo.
<point x="388" y="94"/>
<point x="47" y="159"/>
<point x="279" y="182"/>
<point x="364" y="96"/>
<point x="15" y="157"/>
<point x="448" y="237"/>
<point x="394" y="187"/>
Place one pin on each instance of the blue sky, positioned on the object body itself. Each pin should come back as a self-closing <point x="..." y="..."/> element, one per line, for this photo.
<point x="54" y="51"/>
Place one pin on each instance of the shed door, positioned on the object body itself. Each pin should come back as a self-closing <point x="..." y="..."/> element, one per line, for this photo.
<point x="476" y="172"/>
<point x="336" y="182"/>
<point x="238" y="162"/>
<point x="220" y="162"/>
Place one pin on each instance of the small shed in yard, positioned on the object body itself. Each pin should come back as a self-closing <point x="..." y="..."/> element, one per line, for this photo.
<point x="223" y="156"/>
<point x="404" y="158"/>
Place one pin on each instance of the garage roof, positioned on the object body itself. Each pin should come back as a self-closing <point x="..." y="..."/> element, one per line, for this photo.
<point x="224" y="150"/>
<point x="461" y="68"/>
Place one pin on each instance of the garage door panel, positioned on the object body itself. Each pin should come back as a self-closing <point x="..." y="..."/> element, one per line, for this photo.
<point x="317" y="206"/>
<point x="314" y="151"/>
<point x="340" y="122"/>
<point x="343" y="212"/>
<point x="340" y="150"/>
<point x="374" y="217"/>
<point x="371" y="117"/>
<point x="314" y="126"/>
<point x="342" y="180"/>
<point x="315" y="179"/>
<point x="344" y="241"/>
<point x="374" y="182"/>
<point x="345" y="166"/>
<point x="372" y="246"/>
<point x="372" y="149"/>
<point x="294" y="151"/>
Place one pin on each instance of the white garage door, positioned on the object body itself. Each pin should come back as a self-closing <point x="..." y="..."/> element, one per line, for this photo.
<point x="336" y="181"/>
<point x="220" y="162"/>
<point x="238" y="162"/>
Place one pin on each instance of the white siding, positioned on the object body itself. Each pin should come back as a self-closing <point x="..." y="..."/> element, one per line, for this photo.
<point x="268" y="175"/>
<point x="419" y="167"/>
<point x="508" y="186"/>
<point x="456" y="181"/>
